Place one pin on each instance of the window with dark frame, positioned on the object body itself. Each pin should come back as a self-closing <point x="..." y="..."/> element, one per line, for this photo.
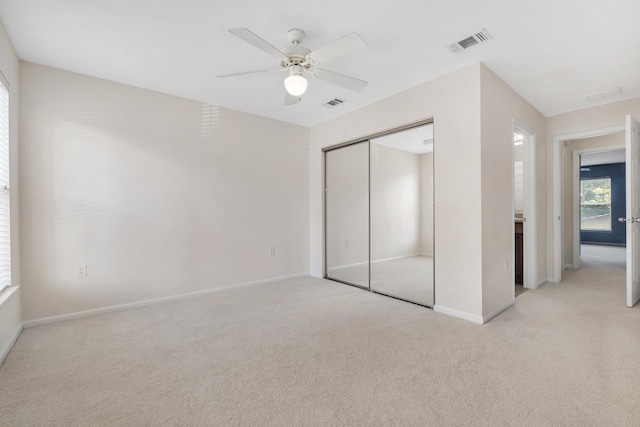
<point x="595" y="204"/>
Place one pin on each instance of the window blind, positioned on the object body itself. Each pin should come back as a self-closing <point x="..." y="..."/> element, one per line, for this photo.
<point x="5" y="232"/>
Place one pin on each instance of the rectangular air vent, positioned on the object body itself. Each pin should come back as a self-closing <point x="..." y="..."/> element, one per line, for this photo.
<point x="480" y="37"/>
<point x="598" y="96"/>
<point x="334" y="103"/>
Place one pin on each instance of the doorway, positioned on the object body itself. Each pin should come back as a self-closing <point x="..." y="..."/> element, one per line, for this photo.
<point x="599" y="199"/>
<point x="594" y="169"/>
<point x="631" y="131"/>
<point x="379" y="214"/>
<point x="524" y="208"/>
<point x="566" y="249"/>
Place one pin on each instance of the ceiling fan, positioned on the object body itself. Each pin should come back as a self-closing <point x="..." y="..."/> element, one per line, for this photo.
<point x="299" y="60"/>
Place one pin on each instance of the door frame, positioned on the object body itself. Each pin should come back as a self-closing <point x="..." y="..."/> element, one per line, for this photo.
<point x="576" y="195"/>
<point x="557" y="144"/>
<point x="529" y="206"/>
<point x="325" y="268"/>
<point x="367" y="139"/>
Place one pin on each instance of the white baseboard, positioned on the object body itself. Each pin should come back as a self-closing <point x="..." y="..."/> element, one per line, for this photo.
<point x="9" y="346"/>
<point x="568" y="266"/>
<point x="426" y="254"/>
<point x="340" y="267"/>
<point x="109" y="309"/>
<point x="472" y="317"/>
<point x="316" y="275"/>
<point x="540" y="283"/>
<point x="459" y="314"/>
<point x="497" y="311"/>
<point x="395" y="257"/>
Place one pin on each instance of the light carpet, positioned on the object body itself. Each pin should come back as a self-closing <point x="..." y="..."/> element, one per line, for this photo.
<point x="409" y="278"/>
<point x="310" y="352"/>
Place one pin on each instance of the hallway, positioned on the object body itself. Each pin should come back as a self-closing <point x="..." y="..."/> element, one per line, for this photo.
<point x="604" y="256"/>
<point x="602" y="268"/>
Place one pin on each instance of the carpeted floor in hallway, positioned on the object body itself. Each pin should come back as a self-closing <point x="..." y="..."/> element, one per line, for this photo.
<point x="313" y="352"/>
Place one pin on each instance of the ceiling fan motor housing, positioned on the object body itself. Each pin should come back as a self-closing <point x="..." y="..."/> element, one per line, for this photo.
<point x="296" y="53"/>
<point x="295" y="36"/>
<point x="295" y="70"/>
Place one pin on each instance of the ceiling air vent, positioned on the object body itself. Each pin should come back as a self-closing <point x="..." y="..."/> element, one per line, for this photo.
<point x="334" y="103"/>
<point x="480" y="37"/>
<point x="598" y="96"/>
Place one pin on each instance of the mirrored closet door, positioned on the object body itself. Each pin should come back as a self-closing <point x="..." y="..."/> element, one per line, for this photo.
<point x="347" y="214"/>
<point x="401" y="234"/>
<point x="379" y="204"/>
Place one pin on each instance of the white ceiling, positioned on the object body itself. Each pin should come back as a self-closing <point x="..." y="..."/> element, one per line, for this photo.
<point x="603" y="157"/>
<point x="551" y="52"/>
<point x="417" y="140"/>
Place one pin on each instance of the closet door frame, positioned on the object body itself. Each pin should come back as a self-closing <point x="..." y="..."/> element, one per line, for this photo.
<point x="367" y="139"/>
<point x="325" y="273"/>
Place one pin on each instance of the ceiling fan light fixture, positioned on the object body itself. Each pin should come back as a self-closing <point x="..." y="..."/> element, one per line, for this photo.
<point x="298" y="59"/>
<point x="296" y="84"/>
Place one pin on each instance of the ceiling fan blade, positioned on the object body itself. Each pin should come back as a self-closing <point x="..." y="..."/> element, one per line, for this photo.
<point x="338" y="79"/>
<point x="258" y="42"/>
<point x="251" y="72"/>
<point x="290" y="99"/>
<point x="344" y="46"/>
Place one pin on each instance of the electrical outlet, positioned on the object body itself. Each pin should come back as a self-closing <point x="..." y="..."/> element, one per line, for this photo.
<point x="271" y="250"/>
<point x="346" y="243"/>
<point x="82" y="270"/>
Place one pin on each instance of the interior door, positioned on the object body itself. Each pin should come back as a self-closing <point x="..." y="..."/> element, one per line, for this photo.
<point x="633" y="210"/>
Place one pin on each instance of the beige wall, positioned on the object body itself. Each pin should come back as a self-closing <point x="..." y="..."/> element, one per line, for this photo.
<point x="395" y="202"/>
<point x="158" y="195"/>
<point x="616" y="139"/>
<point x="10" y="322"/>
<point x="592" y="118"/>
<point x="500" y="104"/>
<point x="453" y="101"/>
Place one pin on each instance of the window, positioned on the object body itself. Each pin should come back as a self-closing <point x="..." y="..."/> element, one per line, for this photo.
<point x="5" y="232"/>
<point x="595" y="204"/>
